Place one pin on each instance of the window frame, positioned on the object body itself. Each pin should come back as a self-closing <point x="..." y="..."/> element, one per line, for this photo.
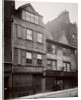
<point x="39" y="37"/>
<point x="39" y="60"/>
<point x="66" y="63"/>
<point x="28" y="35"/>
<point x="29" y="58"/>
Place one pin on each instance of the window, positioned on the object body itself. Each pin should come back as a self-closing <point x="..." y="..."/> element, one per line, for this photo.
<point x="51" y="64"/>
<point x="24" y="15"/>
<point x="36" y="19"/>
<point x="53" y="49"/>
<point x="39" y="59"/>
<point x="48" y="48"/>
<point x="39" y="37"/>
<point x="66" y="66"/>
<point x="28" y="57"/>
<point x="28" y="16"/>
<point x="32" y="18"/>
<point x="29" y="34"/>
<point x="54" y="65"/>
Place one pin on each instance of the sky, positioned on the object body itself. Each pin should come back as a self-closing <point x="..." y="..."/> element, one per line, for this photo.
<point x="50" y="10"/>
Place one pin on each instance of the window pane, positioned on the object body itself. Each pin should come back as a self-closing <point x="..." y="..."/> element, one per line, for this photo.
<point x="36" y="19"/>
<point x="29" y="34"/>
<point x="39" y="39"/>
<point x="64" y="66"/>
<point x="23" y="14"/>
<point x="54" y="65"/>
<point x="48" y="62"/>
<point x="28" y="55"/>
<point x="32" y="18"/>
<point x="28" y="16"/>
<point x="68" y="67"/>
<point x="39" y="56"/>
<point x="53" y="49"/>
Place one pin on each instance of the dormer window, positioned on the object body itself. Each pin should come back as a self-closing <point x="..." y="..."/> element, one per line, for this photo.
<point x="30" y="17"/>
<point x="36" y="19"/>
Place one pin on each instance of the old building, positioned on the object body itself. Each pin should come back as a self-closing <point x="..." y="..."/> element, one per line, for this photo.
<point x="28" y="44"/>
<point x="61" y="69"/>
<point x="37" y="57"/>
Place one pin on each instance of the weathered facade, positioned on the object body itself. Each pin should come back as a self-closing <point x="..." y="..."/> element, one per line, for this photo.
<point x="28" y="51"/>
<point x="61" y="53"/>
<point x="37" y="57"/>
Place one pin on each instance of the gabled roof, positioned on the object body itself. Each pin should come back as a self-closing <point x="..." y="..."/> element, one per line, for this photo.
<point x="27" y="5"/>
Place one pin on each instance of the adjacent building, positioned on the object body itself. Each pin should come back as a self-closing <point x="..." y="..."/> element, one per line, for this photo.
<point x="61" y="54"/>
<point x="37" y="57"/>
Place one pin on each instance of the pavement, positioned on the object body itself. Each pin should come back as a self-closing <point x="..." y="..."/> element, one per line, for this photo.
<point x="58" y="94"/>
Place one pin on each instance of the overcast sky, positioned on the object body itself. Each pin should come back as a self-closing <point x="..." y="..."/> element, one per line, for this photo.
<point x="50" y="10"/>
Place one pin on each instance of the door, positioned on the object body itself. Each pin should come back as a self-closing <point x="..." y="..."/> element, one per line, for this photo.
<point x="37" y="84"/>
<point x="6" y="87"/>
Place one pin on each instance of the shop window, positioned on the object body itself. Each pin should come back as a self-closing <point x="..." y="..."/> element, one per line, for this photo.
<point x="39" y="37"/>
<point x="28" y="57"/>
<point x="39" y="59"/>
<point x="29" y="34"/>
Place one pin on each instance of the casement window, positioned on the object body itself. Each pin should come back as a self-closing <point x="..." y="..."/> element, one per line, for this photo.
<point x="32" y="18"/>
<point x="53" y="48"/>
<point x="29" y="34"/>
<point x="39" y="37"/>
<point x="24" y="14"/>
<point x="28" y="16"/>
<point x="54" y="65"/>
<point x="66" y="66"/>
<point x="19" y="31"/>
<point x="48" y="48"/>
<point x="36" y="19"/>
<point x="39" y="59"/>
<point x="29" y="57"/>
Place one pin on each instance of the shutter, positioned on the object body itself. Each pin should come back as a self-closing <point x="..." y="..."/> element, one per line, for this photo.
<point x="19" y="31"/>
<point x="15" y="56"/>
